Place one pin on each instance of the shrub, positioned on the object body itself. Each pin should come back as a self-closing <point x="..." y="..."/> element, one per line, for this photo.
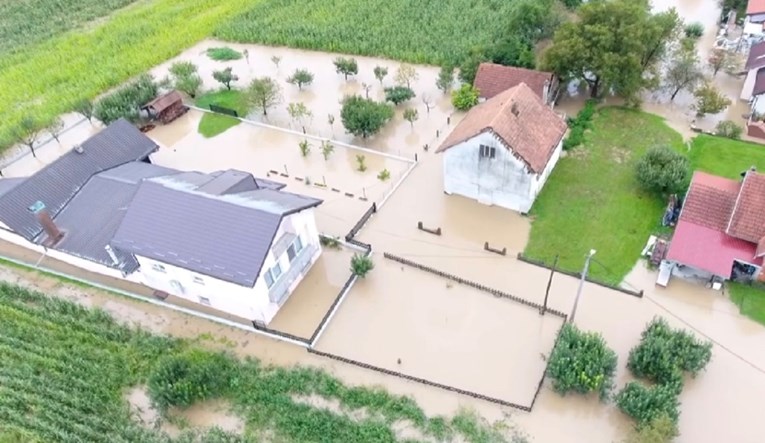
<point x="694" y="30"/>
<point x="182" y="379"/>
<point x="185" y="78"/>
<point x="364" y="117"/>
<point x="663" y="354"/>
<point x="361" y="160"/>
<point x="663" y="170"/>
<point x="223" y="54"/>
<point x="729" y="129"/>
<point x="581" y="362"/>
<point x="301" y="77"/>
<point x="305" y="148"/>
<point x="709" y="100"/>
<point x="398" y="94"/>
<point x="465" y="97"/>
<point x="384" y="175"/>
<point x="329" y="242"/>
<point x="327" y="149"/>
<point x="361" y="265"/>
<point x="579" y="124"/>
<point x="659" y="430"/>
<point x="126" y="101"/>
<point x="646" y="404"/>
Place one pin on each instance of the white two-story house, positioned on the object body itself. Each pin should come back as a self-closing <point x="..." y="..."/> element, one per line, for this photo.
<point x="504" y="150"/>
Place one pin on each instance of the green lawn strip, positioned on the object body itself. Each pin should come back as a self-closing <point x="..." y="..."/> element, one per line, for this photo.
<point x="85" y="380"/>
<point x="214" y="124"/>
<point x="417" y="32"/>
<point x="725" y="157"/>
<point x="749" y="299"/>
<point x="48" y="79"/>
<point x="592" y="199"/>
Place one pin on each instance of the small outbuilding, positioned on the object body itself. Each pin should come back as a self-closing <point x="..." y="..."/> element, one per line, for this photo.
<point x="504" y="150"/>
<point x="492" y="79"/>
<point x="166" y="108"/>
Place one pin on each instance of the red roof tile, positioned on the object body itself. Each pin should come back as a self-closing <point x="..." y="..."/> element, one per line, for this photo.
<point x="748" y="219"/>
<point x="710" y="201"/>
<point x="755" y="7"/>
<point x="525" y="125"/>
<point x="491" y="79"/>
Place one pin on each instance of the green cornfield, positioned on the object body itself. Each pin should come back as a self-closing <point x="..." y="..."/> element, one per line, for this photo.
<point x="65" y="371"/>
<point x="422" y="31"/>
<point x="24" y="23"/>
<point x="47" y="79"/>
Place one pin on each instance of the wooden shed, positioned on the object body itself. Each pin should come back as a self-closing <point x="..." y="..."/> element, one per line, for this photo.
<point x="166" y="108"/>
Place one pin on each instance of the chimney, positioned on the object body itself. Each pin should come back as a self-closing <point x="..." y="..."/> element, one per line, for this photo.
<point x="49" y="226"/>
<point x="79" y="149"/>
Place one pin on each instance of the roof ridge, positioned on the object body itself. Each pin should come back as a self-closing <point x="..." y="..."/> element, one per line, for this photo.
<point x="735" y="206"/>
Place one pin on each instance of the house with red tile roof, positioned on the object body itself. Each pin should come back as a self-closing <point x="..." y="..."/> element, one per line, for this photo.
<point x="755" y="18"/>
<point x="492" y="79"/>
<point x="721" y="229"/>
<point x="504" y="149"/>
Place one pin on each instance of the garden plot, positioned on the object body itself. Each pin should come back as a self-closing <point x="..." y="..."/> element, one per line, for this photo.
<point x="346" y="191"/>
<point x="403" y="319"/>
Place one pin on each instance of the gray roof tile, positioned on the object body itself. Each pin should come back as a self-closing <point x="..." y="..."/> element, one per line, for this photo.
<point x="58" y="182"/>
<point x="6" y="184"/>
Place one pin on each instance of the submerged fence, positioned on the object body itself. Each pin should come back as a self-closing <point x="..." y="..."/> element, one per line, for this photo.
<point x="224" y="110"/>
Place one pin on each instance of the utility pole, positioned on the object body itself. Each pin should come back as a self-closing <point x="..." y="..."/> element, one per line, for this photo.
<point x="549" y="282"/>
<point x="581" y="285"/>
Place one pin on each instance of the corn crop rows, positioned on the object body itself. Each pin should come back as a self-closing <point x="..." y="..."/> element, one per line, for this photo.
<point x="422" y="31"/>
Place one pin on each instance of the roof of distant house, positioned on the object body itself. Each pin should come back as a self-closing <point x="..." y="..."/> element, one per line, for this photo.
<point x="748" y="219"/>
<point x="174" y="220"/>
<point x="59" y="181"/>
<point x="164" y="101"/>
<point x="492" y="79"/>
<point x="756" y="58"/>
<point x="755" y="7"/>
<point x="519" y="118"/>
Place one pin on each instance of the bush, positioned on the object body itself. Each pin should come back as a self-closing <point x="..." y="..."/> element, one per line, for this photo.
<point x="729" y="129"/>
<point x="581" y="362"/>
<point x="663" y="354"/>
<point x="646" y="404"/>
<point x="223" y="54"/>
<point x="579" y="124"/>
<point x="694" y="30"/>
<point x="126" y="101"/>
<point x="361" y="265"/>
<point x="182" y="379"/>
<point x="398" y="94"/>
<point x="465" y="97"/>
<point x="364" y="117"/>
<point x="659" y="430"/>
<point x="663" y="170"/>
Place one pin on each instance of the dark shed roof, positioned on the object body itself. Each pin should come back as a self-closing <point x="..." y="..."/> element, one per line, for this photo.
<point x="224" y="236"/>
<point x="164" y="101"/>
<point x="58" y="182"/>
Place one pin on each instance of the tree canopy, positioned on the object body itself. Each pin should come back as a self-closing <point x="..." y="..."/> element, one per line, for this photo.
<point x="613" y="45"/>
<point x="364" y="117"/>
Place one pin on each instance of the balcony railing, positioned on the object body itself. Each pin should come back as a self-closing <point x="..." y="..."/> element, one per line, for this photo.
<point x="279" y="292"/>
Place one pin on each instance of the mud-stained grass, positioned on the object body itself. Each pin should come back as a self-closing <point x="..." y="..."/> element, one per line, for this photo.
<point x="214" y="124"/>
<point x="749" y="299"/>
<point x="68" y="371"/>
<point x="725" y="157"/>
<point x="593" y="201"/>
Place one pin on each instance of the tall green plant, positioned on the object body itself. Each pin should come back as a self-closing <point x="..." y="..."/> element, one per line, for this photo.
<point x="127" y="100"/>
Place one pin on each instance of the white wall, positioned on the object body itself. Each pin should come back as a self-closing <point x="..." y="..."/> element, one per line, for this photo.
<point x="251" y="303"/>
<point x="746" y="90"/>
<point x="758" y="104"/>
<point x="503" y="181"/>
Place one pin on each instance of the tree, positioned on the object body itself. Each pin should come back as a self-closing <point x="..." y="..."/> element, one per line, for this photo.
<point x="581" y="362"/>
<point x="361" y="265"/>
<point x="326" y="149"/>
<point x="427" y="101"/>
<point x="275" y="59"/>
<point x="226" y="77"/>
<point x="300" y="77"/>
<point x="84" y="107"/>
<point x="465" y="97"/>
<point x="694" y="30"/>
<point x="514" y="51"/>
<point x="264" y="93"/>
<point x="405" y="75"/>
<point x="27" y="132"/>
<point x="709" y="100"/>
<point x="445" y="78"/>
<point x="331" y="121"/>
<point x="346" y="66"/>
<point x="305" y="148"/>
<point x="716" y="59"/>
<point x="366" y="87"/>
<point x="612" y="45"/>
<point x="684" y="72"/>
<point x="729" y="129"/>
<point x="364" y="117"/>
<point x="380" y="73"/>
<point x="659" y="430"/>
<point x="55" y="127"/>
<point x="361" y="160"/>
<point x="299" y="112"/>
<point x="411" y="115"/>
<point x="185" y="78"/>
<point x="646" y="404"/>
<point x="663" y="170"/>
<point x="398" y="94"/>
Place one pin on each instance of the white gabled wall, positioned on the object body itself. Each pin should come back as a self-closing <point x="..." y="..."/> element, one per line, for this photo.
<point x="503" y="181"/>
<point x="746" y="90"/>
<point x="251" y="303"/>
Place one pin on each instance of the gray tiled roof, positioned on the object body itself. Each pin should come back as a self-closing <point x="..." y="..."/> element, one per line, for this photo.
<point x="229" y="182"/>
<point x="6" y="184"/>
<point x="91" y="218"/>
<point x="58" y="182"/>
<point x="224" y="236"/>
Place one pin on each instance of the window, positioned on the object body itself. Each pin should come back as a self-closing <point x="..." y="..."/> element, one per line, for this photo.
<point x="276" y="270"/>
<point x="199" y="280"/>
<point x="269" y="279"/>
<point x="487" y="151"/>
<point x="298" y="244"/>
<point x="204" y="301"/>
<point x="157" y="267"/>
<point x="294" y="249"/>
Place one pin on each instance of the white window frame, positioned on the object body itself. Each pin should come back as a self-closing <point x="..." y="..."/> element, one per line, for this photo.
<point x="298" y="244"/>
<point x="275" y="274"/>
<point x="267" y="276"/>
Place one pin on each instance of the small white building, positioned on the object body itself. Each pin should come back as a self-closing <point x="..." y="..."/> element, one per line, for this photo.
<point x="504" y="150"/>
<point x="755" y="18"/>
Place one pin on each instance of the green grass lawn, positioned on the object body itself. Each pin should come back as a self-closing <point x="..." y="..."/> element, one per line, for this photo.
<point x="725" y="157"/>
<point x="749" y="299"/>
<point x="214" y="124"/>
<point x="592" y="199"/>
<point x="66" y="369"/>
